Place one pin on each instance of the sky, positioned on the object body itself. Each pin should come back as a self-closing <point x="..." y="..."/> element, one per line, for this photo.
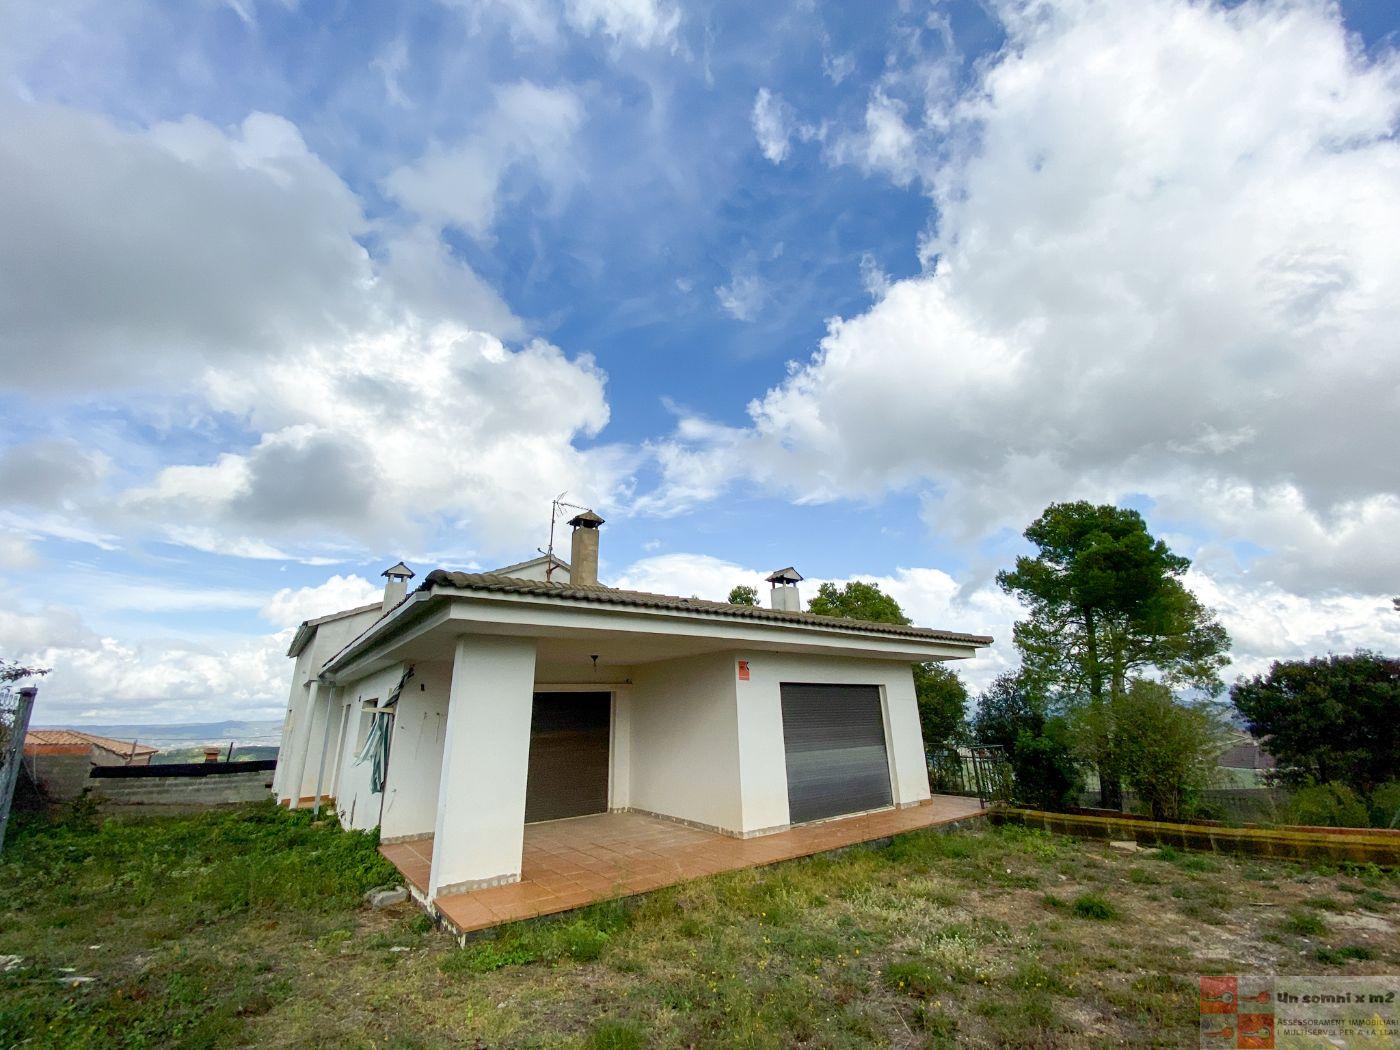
<point x="291" y="290"/>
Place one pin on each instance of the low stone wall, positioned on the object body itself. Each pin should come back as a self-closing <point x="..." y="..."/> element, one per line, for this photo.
<point x="59" y="778"/>
<point x="1357" y="845"/>
<point x="253" y="786"/>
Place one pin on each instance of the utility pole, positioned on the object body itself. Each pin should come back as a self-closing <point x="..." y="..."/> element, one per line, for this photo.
<point x="13" y="753"/>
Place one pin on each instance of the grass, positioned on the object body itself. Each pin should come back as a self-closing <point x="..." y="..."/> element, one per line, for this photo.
<point x="246" y="928"/>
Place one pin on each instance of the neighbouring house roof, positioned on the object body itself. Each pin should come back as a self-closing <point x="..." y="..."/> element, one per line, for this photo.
<point x="307" y="629"/>
<point x="506" y="570"/>
<point x="1247" y="754"/>
<point x="73" y="741"/>
<point x="598" y="594"/>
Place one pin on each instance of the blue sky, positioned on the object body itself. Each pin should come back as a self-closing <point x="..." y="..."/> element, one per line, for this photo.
<point x="295" y="289"/>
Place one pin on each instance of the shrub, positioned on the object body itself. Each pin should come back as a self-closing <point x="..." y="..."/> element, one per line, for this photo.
<point x="1337" y="956"/>
<point x="1327" y="805"/>
<point x="1385" y="805"/>
<point x="1094" y="906"/>
<point x="1304" y="924"/>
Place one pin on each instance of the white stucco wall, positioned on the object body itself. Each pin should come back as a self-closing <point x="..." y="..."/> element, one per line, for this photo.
<point x="302" y="733"/>
<point x="683" y="751"/>
<point x="357" y="806"/>
<point x="763" y="767"/>
<point x="481" y="795"/>
<point x="415" y="756"/>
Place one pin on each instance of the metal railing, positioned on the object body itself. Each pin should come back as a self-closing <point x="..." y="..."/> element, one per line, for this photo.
<point x="980" y="771"/>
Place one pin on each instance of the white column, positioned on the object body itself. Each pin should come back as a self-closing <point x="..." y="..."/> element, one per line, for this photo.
<point x="301" y="740"/>
<point x="904" y="739"/>
<point x="480" y="829"/>
<point x="317" y="712"/>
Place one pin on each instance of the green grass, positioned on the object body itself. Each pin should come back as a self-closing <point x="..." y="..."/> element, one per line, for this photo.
<point x="1093" y="906"/>
<point x="246" y="928"/>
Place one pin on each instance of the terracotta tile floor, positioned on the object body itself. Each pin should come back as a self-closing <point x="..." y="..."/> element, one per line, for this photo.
<point x="570" y="863"/>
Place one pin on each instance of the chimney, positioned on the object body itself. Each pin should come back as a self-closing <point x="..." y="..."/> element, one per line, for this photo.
<point x="785" y="596"/>
<point x="583" y="558"/>
<point x="211" y="754"/>
<point x="396" y="585"/>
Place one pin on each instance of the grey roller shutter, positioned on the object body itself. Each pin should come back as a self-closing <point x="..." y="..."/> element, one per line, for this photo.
<point x="834" y="736"/>
<point x="568" y="774"/>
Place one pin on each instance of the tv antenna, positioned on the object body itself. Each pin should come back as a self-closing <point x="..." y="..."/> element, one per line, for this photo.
<point x="556" y="511"/>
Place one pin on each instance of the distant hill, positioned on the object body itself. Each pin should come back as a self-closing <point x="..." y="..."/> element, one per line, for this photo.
<point x="190" y="734"/>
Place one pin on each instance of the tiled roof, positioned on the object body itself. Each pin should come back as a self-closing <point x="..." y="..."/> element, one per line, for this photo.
<point x="74" y="737"/>
<point x="598" y="594"/>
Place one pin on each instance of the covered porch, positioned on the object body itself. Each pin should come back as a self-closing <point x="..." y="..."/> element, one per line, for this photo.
<point x="575" y="862"/>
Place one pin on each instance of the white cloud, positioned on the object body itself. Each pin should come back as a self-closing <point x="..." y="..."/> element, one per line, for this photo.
<point x="745" y="294"/>
<point x="640" y="23"/>
<point x="1198" y="301"/>
<point x="292" y="605"/>
<point x="381" y="439"/>
<point x="128" y="260"/>
<point x="633" y="23"/>
<point x="528" y="126"/>
<point x="772" y="124"/>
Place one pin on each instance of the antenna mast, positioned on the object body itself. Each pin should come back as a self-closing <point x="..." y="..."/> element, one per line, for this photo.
<point x="556" y="508"/>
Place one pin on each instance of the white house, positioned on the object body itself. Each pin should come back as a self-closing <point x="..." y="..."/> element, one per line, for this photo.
<point x="481" y="702"/>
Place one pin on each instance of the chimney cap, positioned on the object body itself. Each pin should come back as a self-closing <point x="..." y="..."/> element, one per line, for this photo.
<point x="788" y="575"/>
<point x="586" y="520"/>
<point x="398" y="572"/>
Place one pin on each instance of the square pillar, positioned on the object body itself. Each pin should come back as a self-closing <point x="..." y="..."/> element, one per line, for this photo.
<point x="295" y="749"/>
<point x="479" y="836"/>
<point x="904" y="739"/>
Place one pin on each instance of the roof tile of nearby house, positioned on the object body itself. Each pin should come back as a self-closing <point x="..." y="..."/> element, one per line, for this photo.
<point x="496" y="584"/>
<point x="75" y="738"/>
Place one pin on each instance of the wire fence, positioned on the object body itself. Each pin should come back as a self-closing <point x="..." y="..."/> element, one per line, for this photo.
<point x="15" y="708"/>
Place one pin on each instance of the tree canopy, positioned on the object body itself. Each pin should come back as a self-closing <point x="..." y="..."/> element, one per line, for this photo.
<point x="743" y="594"/>
<point x="857" y="601"/>
<point x="942" y="700"/>
<point x="1333" y="719"/>
<point x="1106" y="604"/>
<point x="13" y="672"/>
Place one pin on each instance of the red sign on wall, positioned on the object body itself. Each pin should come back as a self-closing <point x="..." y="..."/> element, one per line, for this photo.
<point x="743" y="670"/>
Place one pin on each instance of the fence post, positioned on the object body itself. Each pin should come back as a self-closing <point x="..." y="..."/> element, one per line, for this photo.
<point x="13" y="756"/>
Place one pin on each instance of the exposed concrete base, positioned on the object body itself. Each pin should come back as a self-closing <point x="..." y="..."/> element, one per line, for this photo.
<point x="472" y="885"/>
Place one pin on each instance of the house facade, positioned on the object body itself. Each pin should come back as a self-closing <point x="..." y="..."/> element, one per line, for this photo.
<point x="481" y="702"/>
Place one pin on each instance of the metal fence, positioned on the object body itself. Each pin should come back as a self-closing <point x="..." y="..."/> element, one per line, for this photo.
<point x="981" y="771"/>
<point x="15" y="708"/>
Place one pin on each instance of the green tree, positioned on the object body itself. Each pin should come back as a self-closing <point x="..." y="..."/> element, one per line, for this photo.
<point x="743" y="594"/>
<point x="1167" y="749"/>
<point x="1012" y="716"/>
<point x="1105" y="604"/>
<point x="857" y="601"/>
<point x="942" y="698"/>
<point x="1333" y="719"/>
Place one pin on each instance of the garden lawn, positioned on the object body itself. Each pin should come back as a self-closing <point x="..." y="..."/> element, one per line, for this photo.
<point x="246" y="927"/>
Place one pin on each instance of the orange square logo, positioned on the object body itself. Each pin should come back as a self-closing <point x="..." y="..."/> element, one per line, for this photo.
<point x="1256" y="1031"/>
<point x="1219" y="995"/>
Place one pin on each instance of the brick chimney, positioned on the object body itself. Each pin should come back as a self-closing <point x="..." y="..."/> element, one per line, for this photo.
<point x="785" y="596"/>
<point x="583" y="557"/>
<point x="396" y="584"/>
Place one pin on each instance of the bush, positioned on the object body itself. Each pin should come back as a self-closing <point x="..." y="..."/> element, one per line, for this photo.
<point x="1385" y="805"/>
<point x="1327" y="806"/>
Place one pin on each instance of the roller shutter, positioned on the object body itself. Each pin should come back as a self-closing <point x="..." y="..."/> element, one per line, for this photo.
<point x="568" y="774"/>
<point x="834" y="736"/>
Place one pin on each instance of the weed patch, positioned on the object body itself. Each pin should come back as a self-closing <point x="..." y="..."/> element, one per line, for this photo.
<point x="1094" y="906"/>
